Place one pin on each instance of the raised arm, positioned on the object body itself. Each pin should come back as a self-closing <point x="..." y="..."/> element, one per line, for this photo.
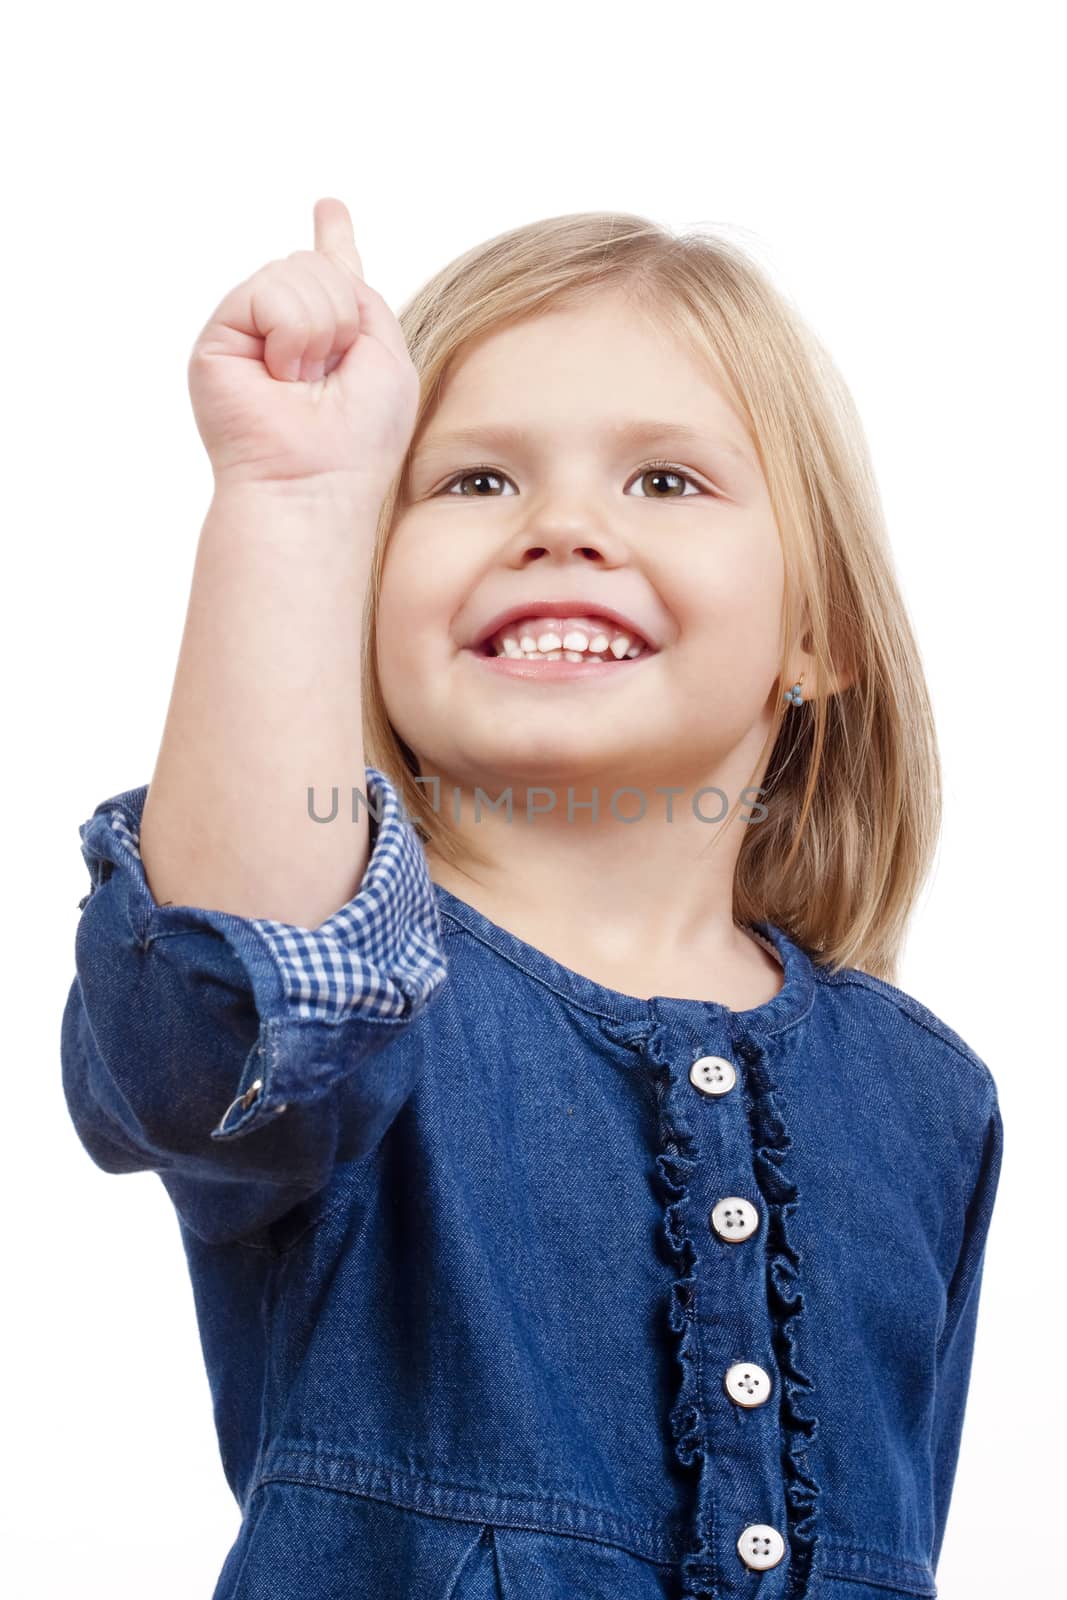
<point x="305" y="398"/>
<point x="241" y="966"/>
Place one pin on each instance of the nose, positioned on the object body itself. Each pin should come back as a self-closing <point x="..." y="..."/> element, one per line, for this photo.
<point x="561" y="536"/>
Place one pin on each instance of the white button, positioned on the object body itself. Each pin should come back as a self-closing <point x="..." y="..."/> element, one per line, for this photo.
<point x="760" y="1546"/>
<point x="735" y="1219"/>
<point x="712" y="1074"/>
<point x="747" y="1384"/>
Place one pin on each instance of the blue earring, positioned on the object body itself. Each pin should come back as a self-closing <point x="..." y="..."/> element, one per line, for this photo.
<point x="793" y="695"/>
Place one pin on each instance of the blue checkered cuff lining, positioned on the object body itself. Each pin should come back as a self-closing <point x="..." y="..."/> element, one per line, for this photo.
<point x="381" y="955"/>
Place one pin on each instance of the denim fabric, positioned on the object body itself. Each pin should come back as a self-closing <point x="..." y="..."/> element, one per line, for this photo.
<point x="465" y="1283"/>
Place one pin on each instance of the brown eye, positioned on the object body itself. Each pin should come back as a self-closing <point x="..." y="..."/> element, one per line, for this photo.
<point x="479" y="476"/>
<point x="661" y="472"/>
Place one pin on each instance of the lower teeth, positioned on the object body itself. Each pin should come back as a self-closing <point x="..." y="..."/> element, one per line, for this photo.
<point x="552" y="655"/>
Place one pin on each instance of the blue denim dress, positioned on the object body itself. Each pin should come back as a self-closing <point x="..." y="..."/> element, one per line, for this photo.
<point x="511" y="1286"/>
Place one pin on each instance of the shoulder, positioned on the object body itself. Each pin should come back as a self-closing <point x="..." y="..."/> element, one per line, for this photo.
<point x="893" y="1014"/>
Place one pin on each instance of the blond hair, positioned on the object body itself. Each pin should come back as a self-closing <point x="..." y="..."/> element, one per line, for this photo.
<point x="853" y="784"/>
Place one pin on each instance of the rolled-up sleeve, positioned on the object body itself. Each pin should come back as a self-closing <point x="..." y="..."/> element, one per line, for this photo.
<point x="955" y="1348"/>
<point x="242" y="1058"/>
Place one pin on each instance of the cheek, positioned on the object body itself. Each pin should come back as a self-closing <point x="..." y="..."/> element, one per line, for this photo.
<point x="730" y="598"/>
<point x="424" y="580"/>
<point x="412" y="633"/>
<point x="412" y="614"/>
<point x="406" y="686"/>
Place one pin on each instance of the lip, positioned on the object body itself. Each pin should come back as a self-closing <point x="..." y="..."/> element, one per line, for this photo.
<point x="574" y="606"/>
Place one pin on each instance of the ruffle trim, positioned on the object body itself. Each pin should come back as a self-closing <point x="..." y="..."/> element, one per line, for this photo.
<point x="772" y="1145"/>
<point x="675" y="1165"/>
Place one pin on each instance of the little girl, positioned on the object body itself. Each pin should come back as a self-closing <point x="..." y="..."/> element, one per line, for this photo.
<point x="502" y="989"/>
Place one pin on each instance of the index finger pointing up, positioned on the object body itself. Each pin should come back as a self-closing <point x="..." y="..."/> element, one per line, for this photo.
<point x="333" y="233"/>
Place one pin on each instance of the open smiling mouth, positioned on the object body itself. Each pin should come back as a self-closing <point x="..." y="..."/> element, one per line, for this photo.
<point x="561" y="647"/>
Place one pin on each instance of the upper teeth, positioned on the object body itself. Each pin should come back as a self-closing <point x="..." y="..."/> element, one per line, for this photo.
<point x="569" y="638"/>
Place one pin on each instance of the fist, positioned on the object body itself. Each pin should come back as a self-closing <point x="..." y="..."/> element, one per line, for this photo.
<point x="302" y="375"/>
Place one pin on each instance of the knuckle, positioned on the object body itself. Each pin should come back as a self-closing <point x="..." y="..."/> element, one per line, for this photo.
<point x="293" y="317"/>
<point x="273" y="284"/>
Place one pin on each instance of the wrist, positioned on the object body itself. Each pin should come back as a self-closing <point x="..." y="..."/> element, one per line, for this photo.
<point x="346" y="514"/>
<point x="348" y="493"/>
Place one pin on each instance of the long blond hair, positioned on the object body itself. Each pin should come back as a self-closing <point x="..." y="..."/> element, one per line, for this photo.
<point x="853" y="784"/>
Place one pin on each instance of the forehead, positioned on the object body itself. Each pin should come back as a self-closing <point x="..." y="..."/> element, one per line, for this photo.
<point x="602" y="370"/>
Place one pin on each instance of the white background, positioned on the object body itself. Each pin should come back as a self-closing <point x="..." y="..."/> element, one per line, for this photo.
<point x="895" y="168"/>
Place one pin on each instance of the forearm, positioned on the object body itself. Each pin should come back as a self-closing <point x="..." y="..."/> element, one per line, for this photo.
<point x="266" y="703"/>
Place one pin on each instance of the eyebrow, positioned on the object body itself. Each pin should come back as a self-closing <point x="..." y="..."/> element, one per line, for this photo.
<point x="504" y="436"/>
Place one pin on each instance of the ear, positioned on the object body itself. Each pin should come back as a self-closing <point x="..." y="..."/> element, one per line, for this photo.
<point x="802" y="660"/>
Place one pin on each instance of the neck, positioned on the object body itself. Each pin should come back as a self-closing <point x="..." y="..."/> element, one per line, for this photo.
<point x="642" y="906"/>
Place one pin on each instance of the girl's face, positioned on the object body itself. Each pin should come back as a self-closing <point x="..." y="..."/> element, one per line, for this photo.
<point x="568" y="508"/>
